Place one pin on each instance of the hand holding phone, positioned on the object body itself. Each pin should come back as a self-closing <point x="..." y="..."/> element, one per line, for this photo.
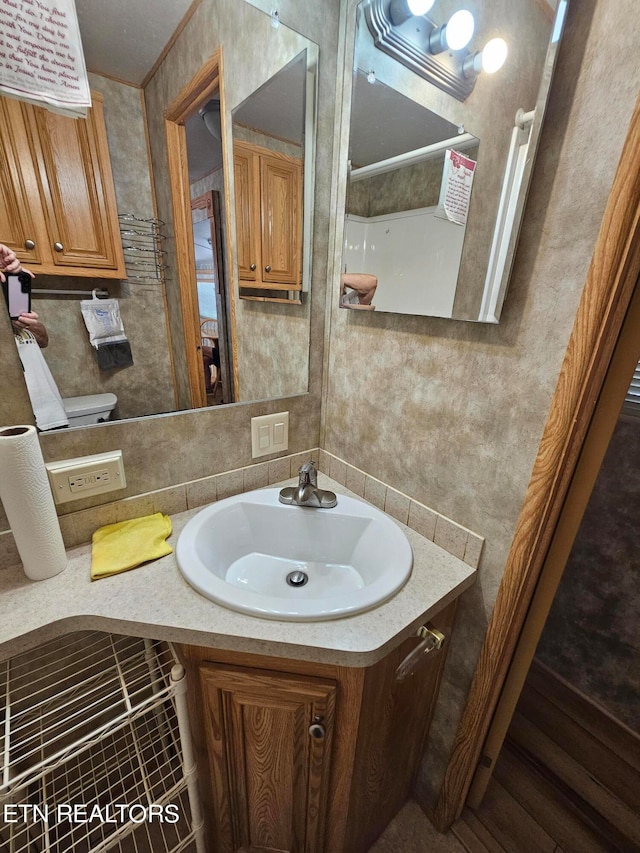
<point x="17" y="293"/>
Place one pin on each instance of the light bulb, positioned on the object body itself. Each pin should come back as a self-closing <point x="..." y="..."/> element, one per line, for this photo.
<point x="401" y="10"/>
<point x="459" y="30"/>
<point x="494" y="54"/>
<point x="419" y="7"/>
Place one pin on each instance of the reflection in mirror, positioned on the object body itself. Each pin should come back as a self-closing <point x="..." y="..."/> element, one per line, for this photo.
<point x="273" y="132"/>
<point x="206" y="190"/>
<point x="386" y="171"/>
<point x="438" y="231"/>
<point x="150" y="307"/>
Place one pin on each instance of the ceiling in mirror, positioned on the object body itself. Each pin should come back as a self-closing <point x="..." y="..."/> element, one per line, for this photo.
<point x="433" y="217"/>
<point x="125" y="44"/>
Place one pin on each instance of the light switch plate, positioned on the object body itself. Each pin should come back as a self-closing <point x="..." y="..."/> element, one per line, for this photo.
<point x="269" y="434"/>
<point x="72" y="479"/>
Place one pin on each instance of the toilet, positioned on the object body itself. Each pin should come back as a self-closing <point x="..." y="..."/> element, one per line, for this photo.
<point x="89" y="409"/>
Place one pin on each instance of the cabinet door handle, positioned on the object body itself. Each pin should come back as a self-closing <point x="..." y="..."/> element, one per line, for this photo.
<point x="252" y="267"/>
<point x="58" y="247"/>
<point x="267" y="268"/>
<point x="431" y="640"/>
<point x="29" y="244"/>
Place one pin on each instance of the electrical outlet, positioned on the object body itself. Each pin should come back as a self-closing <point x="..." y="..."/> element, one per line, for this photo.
<point x="72" y="479"/>
<point x="269" y="434"/>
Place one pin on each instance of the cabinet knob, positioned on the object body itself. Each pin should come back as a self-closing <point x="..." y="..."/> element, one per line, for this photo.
<point x="58" y="247"/>
<point x="29" y="244"/>
<point x="267" y="268"/>
<point x="316" y="729"/>
<point x="252" y="267"/>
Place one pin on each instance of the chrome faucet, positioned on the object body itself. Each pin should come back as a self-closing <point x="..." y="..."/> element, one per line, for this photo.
<point x="307" y="493"/>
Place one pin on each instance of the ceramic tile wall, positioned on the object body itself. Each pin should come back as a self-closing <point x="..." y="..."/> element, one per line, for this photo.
<point x="78" y="526"/>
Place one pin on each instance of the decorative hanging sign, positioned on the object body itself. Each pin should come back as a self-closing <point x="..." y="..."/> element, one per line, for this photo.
<point x="41" y="57"/>
<point x="455" y="191"/>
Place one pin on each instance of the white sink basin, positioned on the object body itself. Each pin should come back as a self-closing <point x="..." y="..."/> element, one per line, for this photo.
<point x="240" y="551"/>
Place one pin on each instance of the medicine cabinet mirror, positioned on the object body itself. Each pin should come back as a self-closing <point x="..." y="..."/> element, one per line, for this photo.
<point x="254" y="365"/>
<point x="433" y="232"/>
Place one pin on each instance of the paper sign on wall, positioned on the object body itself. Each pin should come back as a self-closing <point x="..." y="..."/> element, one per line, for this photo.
<point x="455" y="191"/>
<point x="41" y="57"/>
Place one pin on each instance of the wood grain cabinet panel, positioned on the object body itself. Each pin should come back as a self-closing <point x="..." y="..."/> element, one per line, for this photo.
<point x="270" y="786"/>
<point x="58" y="192"/>
<point x="268" y="190"/>
<point x="270" y="773"/>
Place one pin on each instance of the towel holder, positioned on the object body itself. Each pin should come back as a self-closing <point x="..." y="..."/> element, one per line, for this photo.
<point x="431" y="640"/>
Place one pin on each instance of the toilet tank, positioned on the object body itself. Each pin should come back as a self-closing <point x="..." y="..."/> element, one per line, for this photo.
<point x="89" y="409"/>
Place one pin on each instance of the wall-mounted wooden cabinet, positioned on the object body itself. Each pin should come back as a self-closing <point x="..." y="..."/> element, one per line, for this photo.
<point x="307" y="757"/>
<point x="57" y="200"/>
<point x="268" y="189"/>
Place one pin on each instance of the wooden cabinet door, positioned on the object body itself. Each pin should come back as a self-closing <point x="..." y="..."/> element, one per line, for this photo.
<point x="269" y="773"/>
<point x="281" y="204"/>
<point x="77" y="192"/>
<point x="20" y="211"/>
<point x="246" y="178"/>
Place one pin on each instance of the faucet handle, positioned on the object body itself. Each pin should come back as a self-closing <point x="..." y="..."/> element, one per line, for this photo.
<point x="307" y="473"/>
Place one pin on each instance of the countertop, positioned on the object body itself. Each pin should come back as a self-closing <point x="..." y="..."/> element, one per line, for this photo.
<point x="155" y="601"/>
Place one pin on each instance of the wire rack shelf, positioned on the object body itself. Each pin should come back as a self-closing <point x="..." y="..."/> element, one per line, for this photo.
<point x="142" y="244"/>
<point x="95" y="750"/>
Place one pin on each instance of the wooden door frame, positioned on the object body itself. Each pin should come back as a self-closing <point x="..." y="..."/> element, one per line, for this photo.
<point x="200" y="89"/>
<point x="608" y="290"/>
<point x="209" y="201"/>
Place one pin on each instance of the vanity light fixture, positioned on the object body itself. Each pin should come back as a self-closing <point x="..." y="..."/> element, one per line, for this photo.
<point x="490" y="59"/>
<point x="401" y="10"/>
<point x="455" y="34"/>
<point x="437" y="53"/>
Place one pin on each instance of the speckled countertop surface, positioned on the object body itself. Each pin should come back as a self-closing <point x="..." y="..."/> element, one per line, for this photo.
<point x="155" y="601"/>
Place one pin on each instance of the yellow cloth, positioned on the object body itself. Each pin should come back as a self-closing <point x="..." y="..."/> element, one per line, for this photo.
<point x="127" y="544"/>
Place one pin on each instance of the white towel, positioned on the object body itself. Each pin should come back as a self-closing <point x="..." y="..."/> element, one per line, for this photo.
<point x="46" y="401"/>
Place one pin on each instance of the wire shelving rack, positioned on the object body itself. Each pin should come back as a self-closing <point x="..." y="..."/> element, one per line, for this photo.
<point x="95" y="749"/>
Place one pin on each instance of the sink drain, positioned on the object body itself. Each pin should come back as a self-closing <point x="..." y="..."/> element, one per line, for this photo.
<point x="297" y="578"/>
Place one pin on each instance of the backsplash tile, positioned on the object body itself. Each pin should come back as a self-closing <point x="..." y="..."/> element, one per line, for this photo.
<point x="374" y="491"/>
<point x="78" y="527"/>
<point x="279" y="469"/>
<point x="255" y="476"/>
<point x="396" y="504"/>
<point x="201" y="492"/>
<point x="422" y="519"/>
<point x="355" y="480"/>
<point x="171" y="500"/>
<point x="450" y="536"/>
<point x="473" y="550"/>
<point x="229" y="483"/>
<point x="338" y="470"/>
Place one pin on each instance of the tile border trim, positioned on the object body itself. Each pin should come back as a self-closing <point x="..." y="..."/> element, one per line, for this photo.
<point x="78" y="527"/>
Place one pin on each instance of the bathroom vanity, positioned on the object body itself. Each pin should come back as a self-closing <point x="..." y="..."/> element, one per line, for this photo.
<point x="305" y="738"/>
<point x="300" y="756"/>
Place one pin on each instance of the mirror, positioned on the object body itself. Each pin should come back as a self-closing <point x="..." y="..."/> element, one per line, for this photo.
<point x="150" y="301"/>
<point x="273" y="135"/>
<point x="438" y="178"/>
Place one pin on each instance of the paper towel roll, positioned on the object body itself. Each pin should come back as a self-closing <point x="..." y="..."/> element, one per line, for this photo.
<point x="28" y="503"/>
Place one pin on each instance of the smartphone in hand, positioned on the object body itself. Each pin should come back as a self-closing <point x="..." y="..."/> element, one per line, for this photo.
<point x="17" y="293"/>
